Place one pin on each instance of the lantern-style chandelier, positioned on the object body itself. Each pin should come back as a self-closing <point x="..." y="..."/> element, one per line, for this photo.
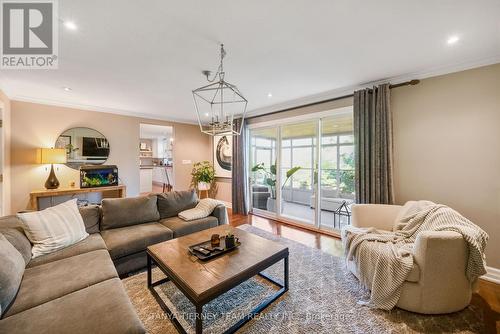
<point x="218" y="103"/>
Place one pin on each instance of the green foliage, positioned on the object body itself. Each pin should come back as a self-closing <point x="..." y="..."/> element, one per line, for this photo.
<point x="270" y="175"/>
<point x="202" y="172"/>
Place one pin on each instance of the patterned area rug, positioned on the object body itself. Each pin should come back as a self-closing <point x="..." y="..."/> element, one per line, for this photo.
<point x="322" y="298"/>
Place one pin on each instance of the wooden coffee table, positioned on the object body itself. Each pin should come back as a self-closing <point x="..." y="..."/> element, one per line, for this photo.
<point x="203" y="281"/>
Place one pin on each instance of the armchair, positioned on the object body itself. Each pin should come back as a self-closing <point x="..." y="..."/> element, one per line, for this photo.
<point x="437" y="283"/>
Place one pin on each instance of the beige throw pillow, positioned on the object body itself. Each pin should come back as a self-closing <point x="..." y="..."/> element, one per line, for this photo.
<point x="53" y="228"/>
<point x="203" y="209"/>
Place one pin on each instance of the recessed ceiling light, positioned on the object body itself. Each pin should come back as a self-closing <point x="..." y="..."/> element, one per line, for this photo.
<point x="67" y="89"/>
<point x="453" y="39"/>
<point x="269" y="95"/>
<point x="70" y="25"/>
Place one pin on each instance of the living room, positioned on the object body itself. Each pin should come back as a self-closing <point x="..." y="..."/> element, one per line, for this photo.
<point x="346" y="151"/>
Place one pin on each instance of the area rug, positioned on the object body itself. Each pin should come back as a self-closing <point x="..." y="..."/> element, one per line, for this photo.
<point x="323" y="298"/>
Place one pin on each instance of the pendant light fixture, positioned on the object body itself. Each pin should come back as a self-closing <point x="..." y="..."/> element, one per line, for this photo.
<point x="218" y="103"/>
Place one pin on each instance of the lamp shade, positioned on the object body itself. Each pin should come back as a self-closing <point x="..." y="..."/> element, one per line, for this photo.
<point x="52" y="156"/>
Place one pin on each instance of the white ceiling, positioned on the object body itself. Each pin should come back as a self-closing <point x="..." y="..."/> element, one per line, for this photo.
<point x="145" y="57"/>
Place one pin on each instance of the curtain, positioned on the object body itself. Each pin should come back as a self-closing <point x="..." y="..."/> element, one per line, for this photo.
<point x="373" y="145"/>
<point x="238" y="170"/>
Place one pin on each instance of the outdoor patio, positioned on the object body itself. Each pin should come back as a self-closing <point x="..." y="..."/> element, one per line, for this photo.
<point x="306" y="213"/>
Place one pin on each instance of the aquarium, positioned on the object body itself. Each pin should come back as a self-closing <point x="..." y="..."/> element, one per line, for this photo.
<point x="98" y="176"/>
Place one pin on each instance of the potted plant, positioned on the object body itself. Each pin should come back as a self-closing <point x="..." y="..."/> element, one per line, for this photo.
<point x="270" y="180"/>
<point x="203" y="175"/>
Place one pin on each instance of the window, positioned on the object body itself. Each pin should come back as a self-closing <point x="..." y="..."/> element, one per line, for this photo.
<point x="337" y="164"/>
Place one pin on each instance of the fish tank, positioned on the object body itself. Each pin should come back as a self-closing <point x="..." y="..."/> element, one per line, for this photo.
<point x="98" y="176"/>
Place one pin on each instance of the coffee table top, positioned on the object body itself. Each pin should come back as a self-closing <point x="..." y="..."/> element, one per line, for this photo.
<point x="204" y="280"/>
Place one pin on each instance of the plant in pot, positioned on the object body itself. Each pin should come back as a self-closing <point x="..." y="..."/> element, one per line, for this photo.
<point x="270" y="180"/>
<point x="202" y="175"/>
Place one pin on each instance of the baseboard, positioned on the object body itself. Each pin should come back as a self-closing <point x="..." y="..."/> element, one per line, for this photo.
<point x="492" y="275"/>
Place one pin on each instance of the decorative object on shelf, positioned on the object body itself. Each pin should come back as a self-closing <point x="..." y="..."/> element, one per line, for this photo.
<point x="84" y="146"/>
<point x="215" y="240"/>
<point x="270" y="180"/>
<point x="203" y="177"/>
<point x="217" y="104"/>
<point x="52" y="156"/>
<point x="98" y="176"/>
<point x="223" y="155"/>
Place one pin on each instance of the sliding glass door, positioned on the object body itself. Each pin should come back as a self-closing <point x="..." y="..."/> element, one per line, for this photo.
<point x="337" y="170"/>
<point x="298" y="170"/>
<point x="262" y="169"/>
<point x="303" y="169"/>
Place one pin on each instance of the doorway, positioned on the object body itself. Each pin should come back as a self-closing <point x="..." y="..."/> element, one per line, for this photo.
<point x="156" y="158"/>
<point x="302" y="170"/>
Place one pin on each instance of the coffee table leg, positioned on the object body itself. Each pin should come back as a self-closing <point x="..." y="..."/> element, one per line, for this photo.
<point x="199" y="319"/>
<point x="286" y="273"/>
<point x="149" y="270"/>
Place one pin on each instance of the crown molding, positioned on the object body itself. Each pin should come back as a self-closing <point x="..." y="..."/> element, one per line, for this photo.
<point x="114" y="111"/>
<point x="335" y="93"/>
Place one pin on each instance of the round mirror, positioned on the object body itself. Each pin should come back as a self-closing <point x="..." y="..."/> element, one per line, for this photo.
<point x="84" y="146"/>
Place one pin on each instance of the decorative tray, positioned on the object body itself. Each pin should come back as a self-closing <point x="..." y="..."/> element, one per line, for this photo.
<point x="214" y="251"/>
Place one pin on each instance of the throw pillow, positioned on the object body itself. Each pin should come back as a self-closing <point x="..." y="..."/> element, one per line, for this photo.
<point x="11" y="274"/>
<point x="203" y="209"/>
<point x="171" y="203"/>
<point x="53" y="228"/>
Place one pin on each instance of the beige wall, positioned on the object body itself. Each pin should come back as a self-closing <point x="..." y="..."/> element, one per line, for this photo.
<point x="447" y="146"/>
<point x="36" y="125"/>
<point x="5" y="151"/>
<point x="224" y="190"/>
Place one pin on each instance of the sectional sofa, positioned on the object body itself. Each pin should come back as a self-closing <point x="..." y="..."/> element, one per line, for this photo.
<point x="78" y="289"/>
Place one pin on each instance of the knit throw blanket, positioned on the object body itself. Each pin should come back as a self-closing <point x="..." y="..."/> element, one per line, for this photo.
<point x="384" y="259"/>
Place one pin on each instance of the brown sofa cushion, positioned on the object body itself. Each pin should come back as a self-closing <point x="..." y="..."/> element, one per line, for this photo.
<point x="53" y="280"/>
<point x="11" y="273"/>
<point x="181" y="227"/>
<point x="170" y="204"/>
<point x="121" y="212"/>
<point x="132" y="239"/>
<point x="102" y="308"/>
<point x="91" y="216"/>
<point x="91" y="243"/>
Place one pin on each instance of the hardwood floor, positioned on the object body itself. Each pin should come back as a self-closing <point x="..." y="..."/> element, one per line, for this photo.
<point x="487" y="298"/>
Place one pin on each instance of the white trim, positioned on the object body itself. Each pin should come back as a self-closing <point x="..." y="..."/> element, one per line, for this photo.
<point x="423" y="74"/>
<point x="99" y="109"/>
<point x="492" y="275"/>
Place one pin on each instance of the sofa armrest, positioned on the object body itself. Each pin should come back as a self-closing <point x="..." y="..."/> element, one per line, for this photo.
<point x="441" y="255"/>
<point x="380" y="216"/>
<point x="442" y="259"/>
<point x="220" y="213"/>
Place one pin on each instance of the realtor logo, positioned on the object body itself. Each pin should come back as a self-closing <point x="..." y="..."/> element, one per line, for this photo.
<point x="29" y="34"/>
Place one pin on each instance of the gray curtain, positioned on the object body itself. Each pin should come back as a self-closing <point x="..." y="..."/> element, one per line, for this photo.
<point x="239" y="177"/>
<point x="373" y="145"/>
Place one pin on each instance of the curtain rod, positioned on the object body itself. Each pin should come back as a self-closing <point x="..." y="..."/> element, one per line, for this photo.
<point x="406" y="83"/>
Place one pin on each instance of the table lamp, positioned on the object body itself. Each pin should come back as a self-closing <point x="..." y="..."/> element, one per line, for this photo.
<point x="52" y="156"/>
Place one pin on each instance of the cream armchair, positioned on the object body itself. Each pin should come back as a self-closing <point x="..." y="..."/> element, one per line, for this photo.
<point x="437" y="283"/>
